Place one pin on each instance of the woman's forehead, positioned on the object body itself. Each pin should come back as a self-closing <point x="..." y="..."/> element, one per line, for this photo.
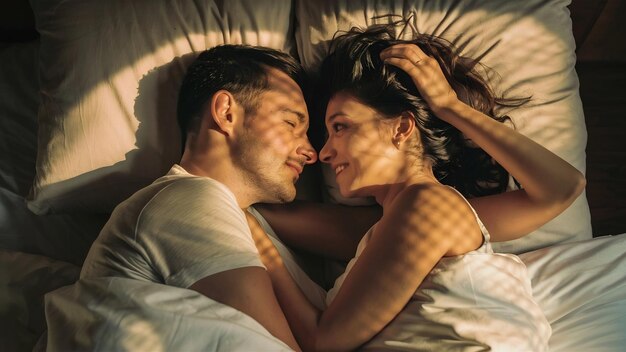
<point x="349" y="106"/>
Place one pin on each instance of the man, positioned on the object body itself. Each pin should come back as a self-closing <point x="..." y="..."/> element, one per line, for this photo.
<point x="244" y="117"/>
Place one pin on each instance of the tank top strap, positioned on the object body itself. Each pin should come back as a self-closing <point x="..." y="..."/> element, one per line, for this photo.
<point x="482" y="227"/>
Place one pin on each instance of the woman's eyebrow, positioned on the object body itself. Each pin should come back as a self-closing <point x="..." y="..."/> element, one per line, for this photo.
<point x="335" y="115"/>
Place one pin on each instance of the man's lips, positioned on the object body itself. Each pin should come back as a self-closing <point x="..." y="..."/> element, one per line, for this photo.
<point x="296" y="168"/>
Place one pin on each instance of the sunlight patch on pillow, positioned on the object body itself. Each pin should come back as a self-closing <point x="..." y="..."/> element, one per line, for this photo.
<point x="529" y="47"/>
<point x="110" y="73"/>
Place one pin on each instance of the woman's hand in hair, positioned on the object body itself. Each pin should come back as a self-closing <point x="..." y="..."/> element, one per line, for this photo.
<point x="425" y="72"/>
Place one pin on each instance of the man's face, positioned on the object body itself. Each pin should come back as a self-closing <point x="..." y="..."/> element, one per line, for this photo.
<point x="273" y="147"/>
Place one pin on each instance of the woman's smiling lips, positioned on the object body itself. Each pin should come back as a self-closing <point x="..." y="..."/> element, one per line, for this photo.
<point x="340" y="168"/>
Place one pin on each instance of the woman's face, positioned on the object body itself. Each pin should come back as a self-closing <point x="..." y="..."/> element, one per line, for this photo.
<point x="360" y="147"/>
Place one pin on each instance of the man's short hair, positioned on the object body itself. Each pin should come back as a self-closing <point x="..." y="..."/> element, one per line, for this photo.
<point x="239" y="69"/>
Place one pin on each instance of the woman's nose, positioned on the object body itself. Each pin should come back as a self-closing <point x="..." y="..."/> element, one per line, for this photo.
<point x="326" y="152"/>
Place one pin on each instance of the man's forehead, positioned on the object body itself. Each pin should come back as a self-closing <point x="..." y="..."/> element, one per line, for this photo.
<point x="285" y="93"/>
<point x="281" y="82"/>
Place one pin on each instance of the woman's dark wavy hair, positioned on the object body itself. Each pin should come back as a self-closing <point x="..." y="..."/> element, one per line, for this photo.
<point x="354" y="66"/>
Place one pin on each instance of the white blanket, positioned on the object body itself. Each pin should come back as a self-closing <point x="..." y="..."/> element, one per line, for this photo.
<point x="116" y="314"/>
<point x="580" y="286"/>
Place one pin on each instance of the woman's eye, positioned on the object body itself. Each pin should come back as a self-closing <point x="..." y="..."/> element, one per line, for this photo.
<point x="338" y="127"/>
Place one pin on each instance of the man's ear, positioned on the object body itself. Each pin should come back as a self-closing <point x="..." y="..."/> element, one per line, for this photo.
<point x="404" y="128"/>
<point x="223" y="111"/>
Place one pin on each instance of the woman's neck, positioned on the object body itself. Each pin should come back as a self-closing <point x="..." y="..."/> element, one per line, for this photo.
<point x="388" y="193"/>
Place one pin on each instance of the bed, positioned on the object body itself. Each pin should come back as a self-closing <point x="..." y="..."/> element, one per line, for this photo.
<point x="86" y="119"/>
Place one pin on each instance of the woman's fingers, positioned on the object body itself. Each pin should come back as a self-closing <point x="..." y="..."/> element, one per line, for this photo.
<point x="405" y="64"/>
<point x="419" y="74"/>
<point x="411" y="52"/>
<point x="424" y="71"/>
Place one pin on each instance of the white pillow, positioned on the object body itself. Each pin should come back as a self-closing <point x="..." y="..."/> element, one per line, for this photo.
<point x="110" y="73"/>
<point x="64" y="236"/>
<point x="528" y="43"/>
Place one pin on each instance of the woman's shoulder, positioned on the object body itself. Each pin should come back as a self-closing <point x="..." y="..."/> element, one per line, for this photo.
<point x="432" y="199"/>
<point x="433" y="194"/>
<point x="443" y="211"/>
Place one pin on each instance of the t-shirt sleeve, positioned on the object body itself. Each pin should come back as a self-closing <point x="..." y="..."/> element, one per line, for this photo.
<point x="192" y="229"/>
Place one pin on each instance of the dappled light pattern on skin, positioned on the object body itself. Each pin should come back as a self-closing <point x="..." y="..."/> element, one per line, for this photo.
<point x="441" y="300"/>
<point x="274" y="147"/>
<point x="428" y="234"/>
<point x="263" y="243"/>
<point x="417" y="254"/>
<point x="279" y="127"/>
<point x="360" y="141"/>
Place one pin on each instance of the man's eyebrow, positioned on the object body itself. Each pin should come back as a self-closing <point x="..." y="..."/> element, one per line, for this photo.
<point x="301" y="116"/>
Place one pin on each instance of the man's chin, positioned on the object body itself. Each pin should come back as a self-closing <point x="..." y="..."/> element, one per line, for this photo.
<point x="280" y="197"/>
<point x="288" y="198"/>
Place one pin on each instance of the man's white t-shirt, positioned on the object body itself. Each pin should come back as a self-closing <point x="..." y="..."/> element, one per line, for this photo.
<point x="176" y="231"/>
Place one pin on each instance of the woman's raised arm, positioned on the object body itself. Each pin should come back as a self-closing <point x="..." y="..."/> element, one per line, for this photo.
<point x="550" y="184"/>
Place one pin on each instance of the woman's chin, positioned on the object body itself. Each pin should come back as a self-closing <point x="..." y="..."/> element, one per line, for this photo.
<point x="347" y="193"/>
<point x="352" y="193"/>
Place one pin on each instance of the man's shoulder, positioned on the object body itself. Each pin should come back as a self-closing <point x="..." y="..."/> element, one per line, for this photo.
<point x="191" y="189"/>
<point x="189" y="199"/>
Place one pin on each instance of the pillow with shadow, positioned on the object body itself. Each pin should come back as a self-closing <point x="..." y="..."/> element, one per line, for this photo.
<point x="19" y="100"/>
<point x="64" y="237"/>
<point x="528" y="45"/>
<point x="110" y="73"/>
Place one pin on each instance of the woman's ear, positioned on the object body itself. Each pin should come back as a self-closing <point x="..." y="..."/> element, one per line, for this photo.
<point x="404" y="128"/>
<point x="223" y="111"/>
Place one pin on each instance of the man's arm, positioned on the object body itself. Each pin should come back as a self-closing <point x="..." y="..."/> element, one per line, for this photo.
<point x="199" y="239"/>
<point x="249" y="290"/>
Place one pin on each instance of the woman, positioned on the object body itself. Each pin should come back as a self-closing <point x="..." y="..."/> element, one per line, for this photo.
<point x="424" y="276"/>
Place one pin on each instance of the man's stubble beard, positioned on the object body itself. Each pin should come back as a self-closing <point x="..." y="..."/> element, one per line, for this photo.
<point x="261" y="172"/>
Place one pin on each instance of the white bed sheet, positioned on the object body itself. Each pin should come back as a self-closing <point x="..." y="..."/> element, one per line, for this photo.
<point x="113" y="314"/>
<point x="24" y="279"/>
<point x="580" y="286"/>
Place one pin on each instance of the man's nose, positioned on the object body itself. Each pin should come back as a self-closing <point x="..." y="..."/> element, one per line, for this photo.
<point x="308" y="152"/>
